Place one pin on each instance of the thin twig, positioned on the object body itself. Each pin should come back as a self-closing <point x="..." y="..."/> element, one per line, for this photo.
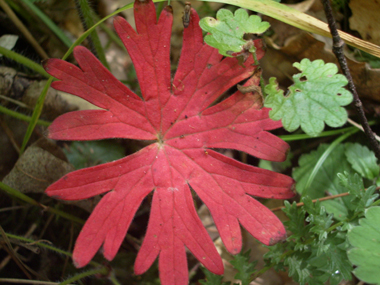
<point x="315" y="200"/>
<point x="300" y="204"/>
<point x="338" y="44"/>
<point x="361" y="128"/>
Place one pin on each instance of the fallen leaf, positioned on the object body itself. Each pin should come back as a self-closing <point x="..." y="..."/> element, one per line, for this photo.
<point x="179" y="116"/>
<point x="365" y="19"/>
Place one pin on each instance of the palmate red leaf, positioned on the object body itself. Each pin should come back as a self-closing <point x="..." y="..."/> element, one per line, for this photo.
<point x="177" y="114"/>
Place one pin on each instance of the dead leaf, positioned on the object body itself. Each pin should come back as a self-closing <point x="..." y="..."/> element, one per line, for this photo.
<point x="41" y="164"/>
<point x="365" y="19"/>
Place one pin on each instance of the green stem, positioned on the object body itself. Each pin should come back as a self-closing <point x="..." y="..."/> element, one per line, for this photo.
<point x="46" y="245"/>
<point x="36" y="114"/>
<point x="22" y="117"/>
<point x="17" y="194"/>
<point x="48" y="22"/>
<point x="24" y="60"/>
<point x="296" y="137"/>
<point x="101" y="271"/>
<point x="87" y="15"/>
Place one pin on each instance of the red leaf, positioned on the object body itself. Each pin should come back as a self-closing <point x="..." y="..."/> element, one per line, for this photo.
<point x="178" y="116"/>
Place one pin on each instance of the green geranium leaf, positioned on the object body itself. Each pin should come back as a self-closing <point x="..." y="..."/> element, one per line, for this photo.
<point x="227" y="30"/>
<point x="366" y="242"/>
<point x="362" y="160"/>
<point x="314" y="99"/>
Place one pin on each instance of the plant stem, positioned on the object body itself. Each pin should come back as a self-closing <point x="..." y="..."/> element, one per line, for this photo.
<point x="24" y="60"/>
<point x="338" y="44"/>
<point x="86" y="16"/>
<point x="102" y="271"/>
<point x="300" y="204"/>
<point x="27" y="199"/>
<point x="22" y="117"/>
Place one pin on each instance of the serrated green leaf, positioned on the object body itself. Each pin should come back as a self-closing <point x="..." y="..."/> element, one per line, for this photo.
<point x="212" y="279"/>
<point x="366" y="242"/>
<point x="362" y="160"/>
<point x="227" y="30"/>
<point x="360" y="197"/>
<point x="312" y="102"/>
<point x="91" y="153"/>
<point x="244" y="266"/>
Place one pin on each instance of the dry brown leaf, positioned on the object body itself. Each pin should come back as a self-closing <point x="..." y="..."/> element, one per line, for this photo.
<point x="365" y="19"/>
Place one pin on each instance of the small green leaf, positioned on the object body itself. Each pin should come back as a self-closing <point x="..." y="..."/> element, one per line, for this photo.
<point x="362" y="160"/>
<point x="326" y="179"/>
<point x="366" y="242"/>
<point x="227" y="30"/>
<point x="244" y="266"/>
<point x="314" y="99"/>
<point x="212" y="279"/>
<point x="91" y="153"/>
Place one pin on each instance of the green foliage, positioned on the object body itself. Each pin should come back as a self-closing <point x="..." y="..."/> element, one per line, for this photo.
<point x="366" y="252"/>
<point x="328" y="180"/>
<point x="314" y="99"/>
<point x="362" y="160"/>
<point x="212" y="279"/>
<point x="314" y="253"/>
<point x="90" y="153"/>
<point x="244" y="267"/>
<point x="227" y="30"/>
<point x="241" y="263"/>
<point x="361" y="199"/>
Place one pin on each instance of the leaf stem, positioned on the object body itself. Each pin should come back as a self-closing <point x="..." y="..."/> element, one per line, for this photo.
<point x="22" y="117"/>
<point x="24" y="60"/>
<point x="17" y="194"/>
<point x="102" y="271"/>
<point x="338" y="45"/>
<point x="36" y="114"/>
<point x="86" y="16"/>
<point x="300" y="204"/>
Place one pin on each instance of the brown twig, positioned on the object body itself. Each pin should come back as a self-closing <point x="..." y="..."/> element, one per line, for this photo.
<point x="318" y="199"/>
<point x="338" y="44"/>
<point x="315" y="200"/>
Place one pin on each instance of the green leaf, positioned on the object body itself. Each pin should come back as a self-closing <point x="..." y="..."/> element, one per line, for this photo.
<point x="360" y="198"/>
<point x="326" y="179"/>
<point x="212" y="279"/>
<point x="227" y="30"/>
<point x="244" y="266"/>
<point x="314" y="99"/>
<point x="90" y="153"/>
<point x="362" y="160"/>
<point x="366" y="242"/>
